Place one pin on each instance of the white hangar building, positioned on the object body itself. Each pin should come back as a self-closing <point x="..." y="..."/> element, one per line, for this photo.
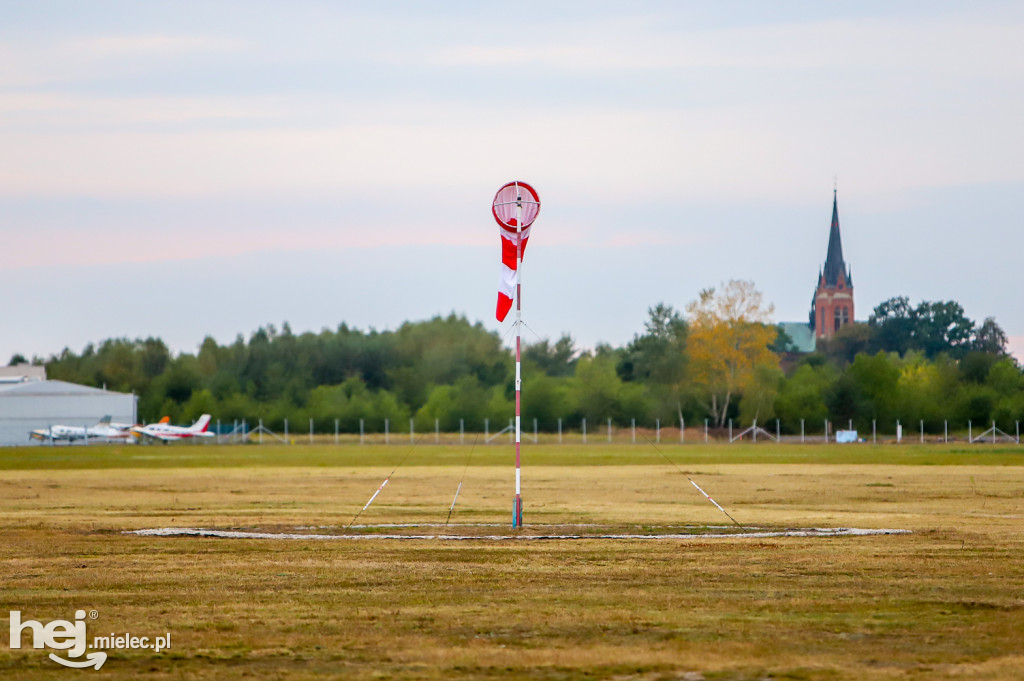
<point x="38" y="404"/>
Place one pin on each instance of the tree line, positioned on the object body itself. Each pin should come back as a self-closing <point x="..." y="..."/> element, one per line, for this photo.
<point x="721" y="359"/>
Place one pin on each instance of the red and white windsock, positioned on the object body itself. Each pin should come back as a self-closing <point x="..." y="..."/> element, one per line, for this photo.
<point x="512" y="200"/>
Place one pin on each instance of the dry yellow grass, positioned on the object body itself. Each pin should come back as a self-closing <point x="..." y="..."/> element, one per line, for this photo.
<point x="944" y="602"/>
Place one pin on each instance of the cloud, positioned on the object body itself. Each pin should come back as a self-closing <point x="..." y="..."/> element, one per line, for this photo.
<point x="245" y="147"/>
<point x="62" y="112"/>
<point x="122" y="46"/>
<point x="657" y="110"/>
<point x="41" y="63"/>
<point x="1015" y="347"/>
<point x="952" y="46"/>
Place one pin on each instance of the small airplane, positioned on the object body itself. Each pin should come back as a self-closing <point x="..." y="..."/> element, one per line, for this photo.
<point x="165" y="432"/>
<point x="104" y="430"/>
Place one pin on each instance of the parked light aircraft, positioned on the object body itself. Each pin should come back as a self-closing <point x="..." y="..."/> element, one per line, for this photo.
<point x="165" y="432"/>
<point x="104" y="430"/>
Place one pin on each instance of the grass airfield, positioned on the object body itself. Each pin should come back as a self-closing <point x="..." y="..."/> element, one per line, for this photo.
<point x="946" y="601"/>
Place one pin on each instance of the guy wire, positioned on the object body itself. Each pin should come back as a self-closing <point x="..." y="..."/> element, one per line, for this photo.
<point x="459" y="489"/>
<point x="382" y="485"/>
<point x="676" y="466"/>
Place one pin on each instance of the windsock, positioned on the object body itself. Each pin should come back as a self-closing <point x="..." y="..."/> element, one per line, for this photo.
<point x="512" y="200"/>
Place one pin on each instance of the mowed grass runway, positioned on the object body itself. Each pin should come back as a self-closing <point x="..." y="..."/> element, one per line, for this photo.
<point x="946" y="601"/>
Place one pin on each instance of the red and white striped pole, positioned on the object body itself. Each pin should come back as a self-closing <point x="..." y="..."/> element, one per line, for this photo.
<point x="517" y="509"/>
<point x="515" y="207"/>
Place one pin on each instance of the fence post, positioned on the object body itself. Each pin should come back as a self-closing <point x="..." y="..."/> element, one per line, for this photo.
<point x="633" y="421"/>
<point x="609" y="431"/>
<point x="826" y="431"/>
<point x="922" y="431"/>
<point x="261" y="431"/>
<point x="874" y="432"/>
<point x="657" y="431"/>
<point x="218" y="431"/>
<point x="286" y="440"/>
<point x="335" y="431"/>
<point x="945" y="431"/>
<point x="360" y="431"/>
<point x="584" y="431"/>
<point x="899" y="432"/>
<point x="234" y="431"/>
<point x="559" y="431"/>
<point x="511" y="431"/>
<point x="462" y="431"/>
<point x="801" y="431"/>
<point x="730" y="431"/>
<point x="487" y="430"/>
<point x="755" y="431"/>
<point x="437" y="431"/>
<point x="970" y="435"/>
<point x="705" y="431"/>
<point x="778" y="431"/>
<point x="387" y="428"/>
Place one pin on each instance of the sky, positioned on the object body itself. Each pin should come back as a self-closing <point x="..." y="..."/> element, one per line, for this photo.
<point x="192" y="168"/>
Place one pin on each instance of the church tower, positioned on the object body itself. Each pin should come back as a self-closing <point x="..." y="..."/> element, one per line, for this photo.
<point x="832" y="305"/>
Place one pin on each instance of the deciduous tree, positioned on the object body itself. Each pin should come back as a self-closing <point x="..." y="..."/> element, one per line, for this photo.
<point x="730" y="333"/>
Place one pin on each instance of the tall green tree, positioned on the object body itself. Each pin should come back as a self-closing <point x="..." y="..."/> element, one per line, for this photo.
<point x="942" y="327"/>
<point x="894" y="322"/>
<point x="658" y="359"/>
<point x="558" y="359"/>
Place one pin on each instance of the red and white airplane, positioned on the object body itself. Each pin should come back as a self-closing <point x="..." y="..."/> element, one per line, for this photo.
<point x="165" y="432"/>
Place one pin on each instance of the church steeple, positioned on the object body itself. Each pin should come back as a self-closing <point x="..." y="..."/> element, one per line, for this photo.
<point x="834" y="265"/>
<point x="832" y="306"/>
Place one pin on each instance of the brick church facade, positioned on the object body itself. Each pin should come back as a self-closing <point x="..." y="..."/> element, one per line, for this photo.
<point x="832" y="305"/>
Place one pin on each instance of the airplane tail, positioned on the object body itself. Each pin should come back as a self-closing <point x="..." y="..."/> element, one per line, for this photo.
<point x="166" y="419"/>
<point x="105" y="421"/>
<point x="201" y="425"/>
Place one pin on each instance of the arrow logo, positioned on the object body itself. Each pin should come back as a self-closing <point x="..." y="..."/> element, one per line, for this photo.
<point x="91" y="660"/>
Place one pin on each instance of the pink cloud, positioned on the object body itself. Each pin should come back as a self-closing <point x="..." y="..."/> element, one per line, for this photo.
<point x="1016" y="347"/>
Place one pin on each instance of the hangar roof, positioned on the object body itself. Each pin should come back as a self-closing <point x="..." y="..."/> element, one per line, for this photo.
<point x="49" y="389"/>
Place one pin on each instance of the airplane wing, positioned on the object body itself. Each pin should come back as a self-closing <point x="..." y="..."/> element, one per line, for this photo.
<point x="146" y="432"/>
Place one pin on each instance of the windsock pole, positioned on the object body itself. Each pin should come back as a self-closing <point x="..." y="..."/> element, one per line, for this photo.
<point x="517" y="509"/>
